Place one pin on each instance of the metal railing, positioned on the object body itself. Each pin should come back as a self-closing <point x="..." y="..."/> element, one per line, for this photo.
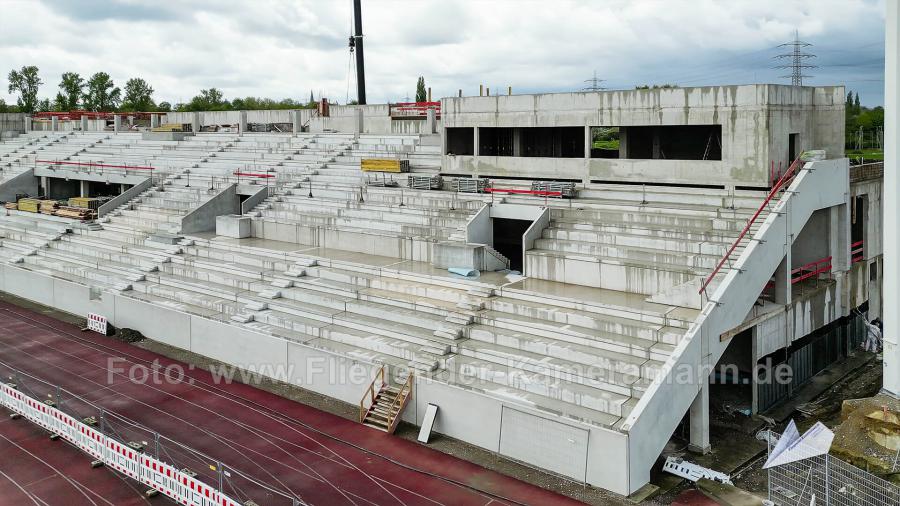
<point x="370" y="393"/>
<point x="413" y="109"/>
<point x="779" y="185"/>
<point x="830" y="480"/>
<point x="212" y="472"/>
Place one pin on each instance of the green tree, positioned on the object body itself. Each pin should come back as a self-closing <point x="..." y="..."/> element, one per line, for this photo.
<point x="138" y="95"/>
<point x="102" y="94"/>
<point x="45" y="105"/>
<point x="164" y="107"/>
<point x="25" y="82"/>
<point x="71" y="88"/>
<point x="208" y="100"/>
<point x="421" y="95"/>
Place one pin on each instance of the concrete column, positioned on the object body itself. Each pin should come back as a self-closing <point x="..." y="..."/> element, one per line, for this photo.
<point x="623" y="142"/>
<point x="84" y="123"/>
<point x="154" y="120"/>
<point x="27" y="123"/>
<point x="295" y="119"/>
<point x="783" y="293"/>
<point x="117" y="123"/>
<point x="588" y="142"/>
<point x="699" y="420"/>
<point x="130" y="121"/>
<point x="195" y="122"/>
<point x="475" y="148"/>
<point x="122" y="188"/>
<point x="54" y="122"/>
<point x="656" y="146"/>
<point x="430" y="123"/>
<point x="358" y="126"/>
<point x="891" y="278"/>
<point x="517" y="142"/>
<point x="83" y="189"/>
<point x="45" y="185"/>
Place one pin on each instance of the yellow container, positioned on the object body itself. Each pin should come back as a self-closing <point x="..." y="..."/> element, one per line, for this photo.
<point x="85" y="202"/>
<point x="384" y="165"/>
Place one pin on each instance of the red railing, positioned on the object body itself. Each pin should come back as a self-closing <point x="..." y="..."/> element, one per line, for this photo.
<point x="253" y="174"/>
<point x="92" y="164"/>
<point x="538" y="193"/>
<point x="856" y="252"/>
<point x="414" y="109"/>
<point x="811" y="269"/>
<point x="782" y="183"/>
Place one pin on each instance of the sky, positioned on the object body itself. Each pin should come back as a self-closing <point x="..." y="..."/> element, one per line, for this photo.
<point x="287" y="48"/>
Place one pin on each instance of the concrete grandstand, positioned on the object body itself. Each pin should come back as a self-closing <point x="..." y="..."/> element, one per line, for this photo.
<point x="593" y="328"/>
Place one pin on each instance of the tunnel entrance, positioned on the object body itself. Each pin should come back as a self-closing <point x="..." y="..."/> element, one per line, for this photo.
<point x="508" y="240"/>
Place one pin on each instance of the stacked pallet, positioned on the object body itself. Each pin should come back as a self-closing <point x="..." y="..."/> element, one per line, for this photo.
<point x="85" y="202"/>
<point x="11" y="205"/>
<point x="76" y="213"/>
<point x="48" y="207"/>
<point x="29" y="205"/>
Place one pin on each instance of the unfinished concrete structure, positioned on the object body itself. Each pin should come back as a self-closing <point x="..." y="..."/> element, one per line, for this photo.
<point x="655" y="272"/>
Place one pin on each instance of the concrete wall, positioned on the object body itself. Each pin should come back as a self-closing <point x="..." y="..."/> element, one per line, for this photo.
<point x="203" y="218"/>
<point x="11" y="123"/>
<point x="25" y="182"/>
<point x="341" y="118"/>
<point x="755" y="119"/>
<point x="257" y="195"/>
<point x="124" y="197"/>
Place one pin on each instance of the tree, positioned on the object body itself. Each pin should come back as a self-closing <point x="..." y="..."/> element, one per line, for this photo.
<point x="45" y="105"/>
<point x="26" y="82"/>
<point x="102" y="94"/>
<point x="71" y="88"/>
<point x="208" y="100"/>
<point x="856" y="108"/>
<point x="164" y="107"/>
<point x="420" y="90"/>
<point x="138" y="95"/>
<point x="312" y="99"/>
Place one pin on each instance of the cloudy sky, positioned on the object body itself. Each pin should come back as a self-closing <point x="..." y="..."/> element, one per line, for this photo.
<point x="286" y="48"/>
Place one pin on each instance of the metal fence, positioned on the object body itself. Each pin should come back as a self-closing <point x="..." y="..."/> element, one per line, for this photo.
<point x="218" y="475"/>
<point x="829" y="480"/>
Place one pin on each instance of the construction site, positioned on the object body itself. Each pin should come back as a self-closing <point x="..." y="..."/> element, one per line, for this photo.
<point x="475" y="266"/>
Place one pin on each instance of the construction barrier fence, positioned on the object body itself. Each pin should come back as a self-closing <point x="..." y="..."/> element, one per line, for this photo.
<point x="171" y="468"/>
<point x="830" y="480"/>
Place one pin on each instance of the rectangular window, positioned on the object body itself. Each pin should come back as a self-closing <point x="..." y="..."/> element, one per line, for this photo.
<point x="460" y="141"/>
<point x="672" y="142"/>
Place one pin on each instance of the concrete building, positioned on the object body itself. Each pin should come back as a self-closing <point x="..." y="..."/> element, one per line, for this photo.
<point x="713" y="135"/>
<point x="683" y="249"/>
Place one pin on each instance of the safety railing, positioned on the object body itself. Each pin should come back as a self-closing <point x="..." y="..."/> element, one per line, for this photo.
<point x="414" y="109"/>
<point x="810" y="270"/>
<point x="397" y="405"/>
<point x="370" y="394"/>
<point x="176" y="470"/>
<point x="779" y="185"/>
<point x="856" y="252"/>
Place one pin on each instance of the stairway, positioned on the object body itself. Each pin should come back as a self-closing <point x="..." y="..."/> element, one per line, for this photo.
<point x="385" y="404"/>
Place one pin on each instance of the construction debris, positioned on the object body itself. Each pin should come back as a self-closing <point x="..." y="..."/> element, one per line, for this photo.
<point x="693" y="472"/>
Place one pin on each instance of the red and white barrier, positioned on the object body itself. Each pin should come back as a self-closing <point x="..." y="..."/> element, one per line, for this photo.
<point x="143" y="468"/>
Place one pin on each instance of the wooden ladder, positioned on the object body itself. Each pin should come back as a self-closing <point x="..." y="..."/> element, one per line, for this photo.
<point x="382" y="404"/>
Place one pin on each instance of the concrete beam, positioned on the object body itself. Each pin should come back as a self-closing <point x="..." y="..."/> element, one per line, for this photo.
<point x="891" y="208"/>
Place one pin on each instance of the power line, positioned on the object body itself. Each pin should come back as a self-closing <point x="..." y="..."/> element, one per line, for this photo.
<point x="797" y="58"/>
<point x="593" y="84"/>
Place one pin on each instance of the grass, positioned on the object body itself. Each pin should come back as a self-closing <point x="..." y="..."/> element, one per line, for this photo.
<point x="611" y="144"/>
<point x="868" y="154"/>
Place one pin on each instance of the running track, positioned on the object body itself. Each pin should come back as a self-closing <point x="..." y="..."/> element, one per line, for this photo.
<point x="321" y="458"/>
<point x="37" y="471"/>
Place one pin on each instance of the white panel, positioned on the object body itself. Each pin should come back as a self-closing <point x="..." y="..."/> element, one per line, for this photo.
<point x="544" y="443"/>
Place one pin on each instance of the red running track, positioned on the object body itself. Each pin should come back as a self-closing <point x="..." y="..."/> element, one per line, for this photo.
<point x="319" y="457"/>
<point x="37" y="471"/>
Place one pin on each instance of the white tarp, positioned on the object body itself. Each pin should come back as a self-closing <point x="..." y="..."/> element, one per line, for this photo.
<point x="793" y="447"/>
